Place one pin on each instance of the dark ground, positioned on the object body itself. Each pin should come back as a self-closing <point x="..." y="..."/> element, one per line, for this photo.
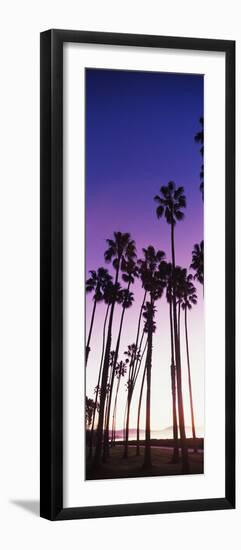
<point x="118" y="467"/>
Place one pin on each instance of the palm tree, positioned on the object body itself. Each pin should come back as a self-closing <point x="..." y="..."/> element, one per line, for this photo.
<point x="199" y="138"/>
<point x="150" y="262"/>
<point x="141" y="308"/>
<point x="120" y="250"/>
<point x="96" y="283"/>
<point x="179" y="281"/>
<point x="130" y="271"/>
<point x="198" y="262"/>
<point x="169" y="286"/>
<point x="111" y="293"/>
<point x="126" y="298"/>
<point x="139" y="404"/>
<point x="89" y="410"/>
<point x="143" y="265"/>
<point x="134" y="371"/>
<point x="189" y="300"/>
<point x="154" y="279"/>
<point x="150" y="327"/>
<point x="108" y="388"/>
<point x="132" y="358"/>
<point x="171" y="203"/>
<point x="120" y="371"/>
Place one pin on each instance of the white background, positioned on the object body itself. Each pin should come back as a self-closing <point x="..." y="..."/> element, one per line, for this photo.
<point x="19" y="289"/>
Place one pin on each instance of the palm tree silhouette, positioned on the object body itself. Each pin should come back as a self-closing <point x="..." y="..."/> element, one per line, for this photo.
<point x="171" y="203"/>
<point x="150" y="327"/>
<point x="89" y="411"/>
<point x="131" y="359"/>
<point x="180" y="275"/>
<point x="198" y="262"/>
<point x="120" y="250"/>
<point x="189" y="299"/>
<point x="120" y="371"/>
<point x="151" y="261"/>
<point x="126" y="298"/>
<point x="111" y="293"/>
<point x="142" y="268"/>
<point x="130" y="271"/>
<point x="140" y="403"/>
<point x="97" y="284"/>
<point x="153" y="279"/>
<point x="169" y="297"/>
<point x="199" y="138"/>
<point x="137" y="361"/>
<point x="108" y="390"/>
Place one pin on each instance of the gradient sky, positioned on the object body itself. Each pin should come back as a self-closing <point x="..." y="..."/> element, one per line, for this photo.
<point x="140" y="129"/>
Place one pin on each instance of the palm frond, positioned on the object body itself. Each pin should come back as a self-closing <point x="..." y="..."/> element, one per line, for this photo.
<point x="179" y="215"/>
<point x="178" y="193"/>
<point x="157" y="198"/>
<point x="159" y="211"/>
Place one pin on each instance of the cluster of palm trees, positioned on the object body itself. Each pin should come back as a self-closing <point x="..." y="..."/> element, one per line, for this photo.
<point x="158" y="278"/>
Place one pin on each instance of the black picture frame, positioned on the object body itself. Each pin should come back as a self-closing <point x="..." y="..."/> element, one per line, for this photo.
<point x="51" y="323"/>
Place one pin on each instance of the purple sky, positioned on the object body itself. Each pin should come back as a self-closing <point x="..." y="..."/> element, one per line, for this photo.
<point x="140" y="131"/>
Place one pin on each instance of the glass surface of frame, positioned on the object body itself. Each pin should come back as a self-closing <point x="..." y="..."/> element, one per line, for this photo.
<point x="175" y="492"/>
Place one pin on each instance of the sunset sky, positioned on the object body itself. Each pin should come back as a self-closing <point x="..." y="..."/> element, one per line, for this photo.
<point x="140" y="129"/>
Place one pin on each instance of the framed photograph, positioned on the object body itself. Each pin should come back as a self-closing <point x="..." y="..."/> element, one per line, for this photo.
<point x="137" y="338"/>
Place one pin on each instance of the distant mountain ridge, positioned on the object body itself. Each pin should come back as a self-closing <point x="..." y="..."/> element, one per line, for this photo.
<point x="158" y="434"/>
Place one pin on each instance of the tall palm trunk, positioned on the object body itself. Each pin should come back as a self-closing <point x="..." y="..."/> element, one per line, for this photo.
<point x="139" y="320"/>
<point x="190" y="386"/>
<point x="128" y="408"/>
<point x="140" y="402"/>
<point x="136" y="368"/>
<point x="175" y="456"/>
<point x="98" y="383"/>
<point x="90" y="332"/>
<point x="106" y="407"/>
<point x="135" y="375"/>
<point x="185" y="463"/>
<point x="104" y="379"/>
<point x="179" y="321"/>
<point x="132" y="382"/>
<point x="139" y="414"/>
<point x="106" y="435"/>
<point x="147" y="456"/>
<point x="114" y="413"/>
<point x="124" y="420"/>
